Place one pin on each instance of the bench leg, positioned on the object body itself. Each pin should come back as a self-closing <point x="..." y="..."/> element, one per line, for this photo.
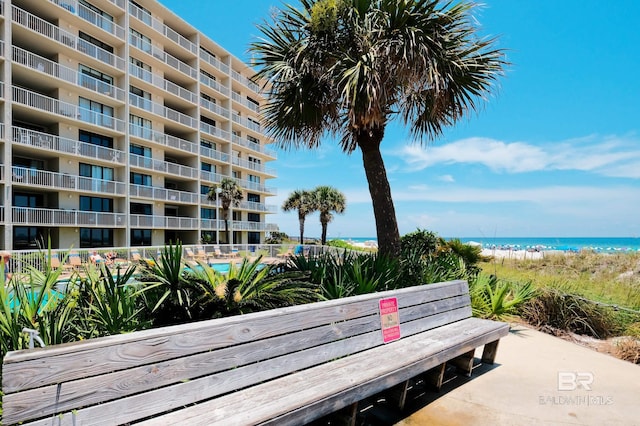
<point x="464" y="362"/>
<point x="489" y="352"/>
<point x="399" y="394"/>
<point x="435" y="376"/>
<point x="353" y="415"/>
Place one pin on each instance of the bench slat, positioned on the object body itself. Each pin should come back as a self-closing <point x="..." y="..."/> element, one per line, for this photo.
<point x="176" y="396"/>
<point x="26" y="369"/>
<point x="354" y="378"/>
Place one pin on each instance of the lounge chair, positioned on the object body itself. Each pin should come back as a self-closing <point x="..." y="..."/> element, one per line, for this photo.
<point x="189" y="254"/>
<point x="201" y="254"/>
<point x="75" y="261"/>
<point x="55" y="263"/>
<point x="285" y="254"/>
<point x="217" y="253"/>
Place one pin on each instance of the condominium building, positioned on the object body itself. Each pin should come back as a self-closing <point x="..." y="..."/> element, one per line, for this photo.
<point x="117" y="118"/>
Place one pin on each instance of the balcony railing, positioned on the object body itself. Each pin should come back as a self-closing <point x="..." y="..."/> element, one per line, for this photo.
<point x="208" y="81"/>
<point x="162" y="166"/>
<point x="251" y="165"/>
<point x="57" y="217"/>
<point x="69" y="146"/>
<point x="161" y="83"/>
<point x="211" y="176"/>
<point x="90" y="16"/>
<point x="252" y="226"/>
<point x="261" y="207"/>
<point x="212" y="153"/>
<point x="238" y="98"/>
<point x="162" y="222"/>
<point x="215" y="62"/>
<point x="163" y="139"/>
<point x="163" y="56"/>
<point x="215" y="108"/>
<point x="161" y="110"/>
<point x="162" y="194"/>
<point x="253" y="145"/>
<point x="162" y="28"/>
<point x="212" y="224"/>
<point x="41" y="64"/>
<point x="243" y="121"/>
<point x="255" y="186"/>
<point x="43" y="178"/>
<point x="53" y="32"/>
<point x="214" y="131"/>
<point x="245" y="81"/>
<point x="52" y="105"/>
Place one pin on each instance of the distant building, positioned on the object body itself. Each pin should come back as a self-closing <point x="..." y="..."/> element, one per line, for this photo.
<point x="117" y="117"/>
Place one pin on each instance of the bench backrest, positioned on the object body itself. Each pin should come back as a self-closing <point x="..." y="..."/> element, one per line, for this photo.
<point x="118" y="379"/>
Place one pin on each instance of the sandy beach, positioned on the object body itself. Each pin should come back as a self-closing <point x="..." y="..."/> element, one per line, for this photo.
<point x="514" y="254"/>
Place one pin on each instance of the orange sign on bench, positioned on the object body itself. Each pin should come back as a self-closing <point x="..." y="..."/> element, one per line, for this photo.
<point x="390" y="319"/>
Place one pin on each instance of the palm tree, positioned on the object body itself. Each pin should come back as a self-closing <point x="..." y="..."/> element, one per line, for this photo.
<point x="229" y="193"/>
<point x="346" y="68"/>
<point x="327" y="199"/>
<point x="303" y="202"/>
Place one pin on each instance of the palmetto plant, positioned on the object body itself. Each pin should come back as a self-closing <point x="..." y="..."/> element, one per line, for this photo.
<point x="498" y="299"/>
<point x="349" y="67"/>
<point x="230" y="194"/>
<point x="302" y="201"/>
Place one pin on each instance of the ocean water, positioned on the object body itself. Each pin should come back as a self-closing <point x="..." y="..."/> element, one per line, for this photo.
<point x="599" y="244"/>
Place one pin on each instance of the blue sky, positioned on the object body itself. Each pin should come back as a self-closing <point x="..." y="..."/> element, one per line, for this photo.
<point x="555" y="152"/>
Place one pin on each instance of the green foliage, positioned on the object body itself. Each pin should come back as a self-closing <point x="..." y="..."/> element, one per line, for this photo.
<point x="553" y="310"/>
<point x="420" y="242"/>
<point x="498" y="299"/>
<point x="276" y="237"/>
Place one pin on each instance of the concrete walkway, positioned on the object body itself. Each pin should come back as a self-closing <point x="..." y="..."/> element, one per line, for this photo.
<point x="538" y="379"/>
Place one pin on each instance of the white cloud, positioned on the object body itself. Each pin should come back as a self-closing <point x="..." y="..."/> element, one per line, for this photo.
<point x="446" y="178"/>
<point x="608" y="156"/>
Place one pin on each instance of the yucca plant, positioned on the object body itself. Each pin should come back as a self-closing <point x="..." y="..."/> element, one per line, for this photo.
<point x="498" y="299"/>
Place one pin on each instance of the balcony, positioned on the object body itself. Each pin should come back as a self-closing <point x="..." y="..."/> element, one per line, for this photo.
<point x="211" y="176"/>
<point x="162" y="139"/>
<point x="245" y="81"/>
<point x="162" y="222"/>
<point x="162" y="166"/>
<point x="54" y="106"/>
<point x="32" y="22"/>
<point x="212" y="224"/>
<point x="256" y="186"/>
<point x="163" y="29"/>
<point x="208" y="81"/>
<point x="44" y="65"/>
<point x="56" y="143"/>
<point x="162" y="194"/>
<point x="253" y="146"/>
<point x="57" y="217"/>
<point x="251" y="165"/>
<point x="214" y="154"/>
<point x="161" y="55"/>
<point x="252" y="226"/>
<point x="214" y="131"/>
<point x="213" y="61"/>
<point x="161" y="83"/>
<point x="245" y="102"/>
<point x="259" y="207"/>
<point x="54" y="180"/>
<point x="215" y="108"/>
<point x="161" y="110"/>
<point x="244" y="121"/>
<point x="90" y="16"/>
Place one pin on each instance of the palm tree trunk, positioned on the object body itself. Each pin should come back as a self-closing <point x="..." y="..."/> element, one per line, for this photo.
<point x="226" y="225"/>
<point x="323" y="239"/>
<point x="383" y="208"/>
<point x="301" y="219"/>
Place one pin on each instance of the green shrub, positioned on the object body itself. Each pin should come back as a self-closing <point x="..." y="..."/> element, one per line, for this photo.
<point x="498" y="299"/>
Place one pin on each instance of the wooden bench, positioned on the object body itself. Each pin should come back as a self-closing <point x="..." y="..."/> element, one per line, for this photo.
<point x="284" y="367"/>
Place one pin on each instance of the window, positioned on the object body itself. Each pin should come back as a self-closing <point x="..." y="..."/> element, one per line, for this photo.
<point x="254" y="198"/>
<point x="255" y="179"/>
<point x="141" y="237"/>
<point x="96" y="172"/>
<point x="207" y="144"/>
<point x="96" y="237"/>
<point x="236" y="175"/>
<point x="140" y="64"/>
<point x="252" y="139"/>
<point x="140" y="179"/>
<point x="140" y="127"/>
<point x="28" y="163"/>
<point x="141" y="99"/>
<point x="208" y="213"/>
<point x="27" y="237"/>
<point x="204" y="190"/>
<point x="253" y="217"/>
<point x="95" y="139"/>
<point x="208" y="121"/>
<point x="253" y="101"/>
<point x="24" y="199"/>
<point x="96" y="204"/>
<point x="85" y="70"/>
<point x="140" y="208"/>
<point x="104" y="20"/>
<point x="253" y="237"/>
<point x="207" y="98"/>
<point x="143" y="151"/>
<point x="207" y="52"/>
<point x="141" y="13"/>
<point x="95" y="112"/>
<point x="140" y="40"/>
<point x="95" y="42"/>
<point x="206" y="74"/>
<point x="207" y="167"/>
